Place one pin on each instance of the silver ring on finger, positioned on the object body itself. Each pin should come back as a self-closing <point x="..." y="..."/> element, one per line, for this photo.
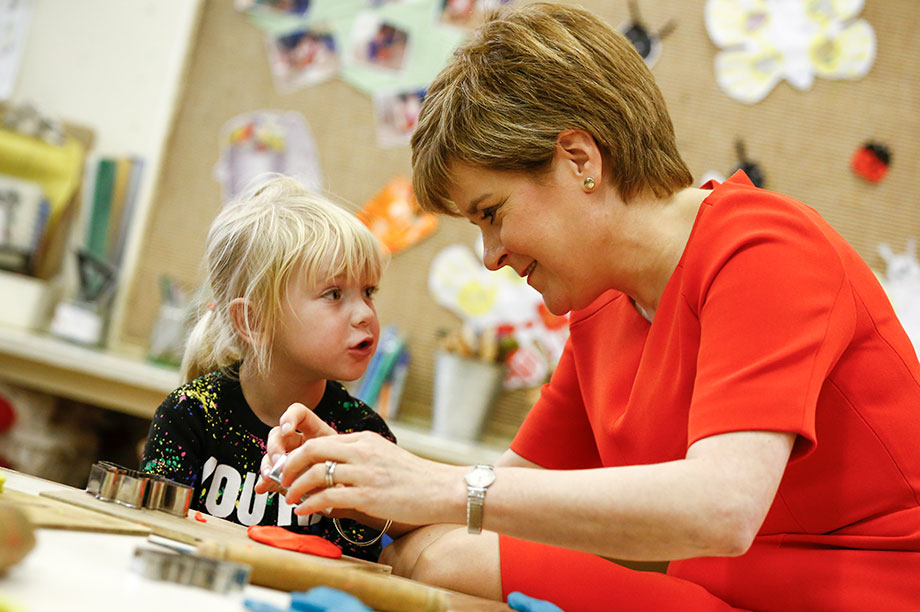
<point x="330" y="473"/>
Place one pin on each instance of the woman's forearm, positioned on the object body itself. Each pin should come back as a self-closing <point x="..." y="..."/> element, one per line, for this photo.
<point x="711" y="503"/>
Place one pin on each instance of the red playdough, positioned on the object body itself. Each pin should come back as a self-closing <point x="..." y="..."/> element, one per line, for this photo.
<point x="279" y="537"/>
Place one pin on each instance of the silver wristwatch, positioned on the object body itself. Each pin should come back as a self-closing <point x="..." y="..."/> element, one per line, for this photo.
<point x="477" y="481"/>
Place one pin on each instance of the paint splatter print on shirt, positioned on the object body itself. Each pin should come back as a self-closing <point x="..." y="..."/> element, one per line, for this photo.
<point x="204" y="434"/>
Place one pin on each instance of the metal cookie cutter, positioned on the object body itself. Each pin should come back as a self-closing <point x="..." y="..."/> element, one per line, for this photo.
<point x="192" y="570"/>
<point x="275" y="475"/>
<point x="112" y="482"/>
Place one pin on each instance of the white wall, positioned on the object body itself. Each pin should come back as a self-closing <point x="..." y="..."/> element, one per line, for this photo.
<point x="115" y="66"/>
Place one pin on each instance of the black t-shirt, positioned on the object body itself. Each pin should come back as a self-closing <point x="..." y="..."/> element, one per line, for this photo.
<point x="205" y="435"/>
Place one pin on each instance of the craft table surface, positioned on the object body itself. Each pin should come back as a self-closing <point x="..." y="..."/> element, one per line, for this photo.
<point x="86" y="571"/>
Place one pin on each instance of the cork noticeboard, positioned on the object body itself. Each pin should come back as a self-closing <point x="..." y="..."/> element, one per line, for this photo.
<point x="803" y="141"/>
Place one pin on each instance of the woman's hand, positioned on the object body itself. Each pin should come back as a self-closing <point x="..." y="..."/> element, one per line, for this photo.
<point x="297" y="425"/>
<point x="373" y="476"/>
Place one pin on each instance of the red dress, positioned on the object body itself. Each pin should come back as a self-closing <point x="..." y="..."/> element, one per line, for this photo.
<point x="771" y="321"/>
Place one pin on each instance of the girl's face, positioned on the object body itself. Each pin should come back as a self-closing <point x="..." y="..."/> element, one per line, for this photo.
<point x="327" y="331"/>
<point x="546" y="231"/>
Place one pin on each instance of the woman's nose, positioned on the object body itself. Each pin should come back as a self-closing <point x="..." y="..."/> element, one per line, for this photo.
<point x="494" y="254"/>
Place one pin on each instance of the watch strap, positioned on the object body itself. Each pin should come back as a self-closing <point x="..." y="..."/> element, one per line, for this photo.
<point x="475" y="500"/>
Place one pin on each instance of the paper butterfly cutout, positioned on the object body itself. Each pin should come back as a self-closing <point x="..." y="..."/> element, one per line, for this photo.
<point x="766" y="41"/>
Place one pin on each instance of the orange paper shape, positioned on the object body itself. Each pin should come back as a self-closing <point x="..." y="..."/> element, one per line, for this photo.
<point x="279" y="537"/>
<point x="394" y="216"/>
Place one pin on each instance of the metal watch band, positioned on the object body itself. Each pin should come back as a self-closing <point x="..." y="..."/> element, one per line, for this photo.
<point x="474" y="502"/>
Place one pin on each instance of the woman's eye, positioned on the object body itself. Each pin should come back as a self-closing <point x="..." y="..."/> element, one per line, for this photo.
<point x="489" y="213"/>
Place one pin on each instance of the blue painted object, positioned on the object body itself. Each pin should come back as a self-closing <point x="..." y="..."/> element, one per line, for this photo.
<point x="254" y="605"/>
<point x="522" y="603"/>
<point x="326" y="599"/>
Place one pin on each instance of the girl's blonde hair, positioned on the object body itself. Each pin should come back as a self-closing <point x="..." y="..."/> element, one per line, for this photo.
<point x="254" y="245"/>
<point x="528" y="74"/>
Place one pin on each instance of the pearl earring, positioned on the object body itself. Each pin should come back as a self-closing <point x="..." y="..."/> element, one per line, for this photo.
<point x="589" y="184"/>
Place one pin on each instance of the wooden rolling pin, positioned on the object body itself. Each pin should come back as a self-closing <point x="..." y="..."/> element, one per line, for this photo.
<point x="17" y="536"/>
<point x="290" y="571"/>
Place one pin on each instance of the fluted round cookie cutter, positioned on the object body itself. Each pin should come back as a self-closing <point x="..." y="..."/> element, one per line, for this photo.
<point x="135" y="489"/>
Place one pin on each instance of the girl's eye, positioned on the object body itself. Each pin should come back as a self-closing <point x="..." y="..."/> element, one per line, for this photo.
<point x="369" y="292"/>
<point x="333" y="294"/>
<point x="489" y="213"/>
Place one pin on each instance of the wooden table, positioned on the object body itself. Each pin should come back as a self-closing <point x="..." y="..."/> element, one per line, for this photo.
<point x="80" y="568"/>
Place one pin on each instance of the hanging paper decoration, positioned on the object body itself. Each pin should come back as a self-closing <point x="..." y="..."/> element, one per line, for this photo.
<point x="266" y="141"/>
<point x="647" y="43"/>
<point x="711" y="175"/>
<point x="871" y="161"/>
<point x="394" y="216"/>
<point x="766" y="41"/>
<point x="902" y="284"/>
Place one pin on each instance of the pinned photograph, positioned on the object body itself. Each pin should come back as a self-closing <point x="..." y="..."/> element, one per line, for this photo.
<point x="467" y="13"/>
<point x="303" y="57"/>
<point x="283" y="7"/>
<point x="396" y="115"/>
<point x="377" y="43"/>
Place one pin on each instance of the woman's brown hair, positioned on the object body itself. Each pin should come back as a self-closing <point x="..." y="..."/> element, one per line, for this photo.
<point x="529" y="73"/>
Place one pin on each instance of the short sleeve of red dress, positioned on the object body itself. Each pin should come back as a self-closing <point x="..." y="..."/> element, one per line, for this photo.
<point x="556" y="433"/>
<point x="776" y="312"/>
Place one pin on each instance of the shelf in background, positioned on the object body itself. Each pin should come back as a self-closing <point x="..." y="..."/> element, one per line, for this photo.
<point x="116" y="382"/>
<point x="135" y="386"/>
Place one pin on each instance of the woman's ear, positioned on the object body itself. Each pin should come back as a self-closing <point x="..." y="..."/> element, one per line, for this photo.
<point x="245" y="320"/>
<point x="577" y="153"/>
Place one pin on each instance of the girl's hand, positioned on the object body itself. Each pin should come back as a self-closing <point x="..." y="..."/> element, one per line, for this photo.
<point x="374" y="476"/>
<point x="297" y="425"/>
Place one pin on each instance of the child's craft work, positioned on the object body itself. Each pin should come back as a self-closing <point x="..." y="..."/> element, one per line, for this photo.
<point x="487" y="300"/>
<point x="871" y="161"/>
<point x="763" y="42"/>
<point x="266" y="141"/>
<point x="902" y="284"/>
<point x="394" y="216"/>
<point x="646" y="42"/>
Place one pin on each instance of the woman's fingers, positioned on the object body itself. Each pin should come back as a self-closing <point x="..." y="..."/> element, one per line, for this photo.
<point x="318" y="450"/>
<point x="339" y="498"/>
<point x="299" y="418"/>
<point x="307" y="484"/>
<point x="297" y="425"/>
<point x="373" y="476"/>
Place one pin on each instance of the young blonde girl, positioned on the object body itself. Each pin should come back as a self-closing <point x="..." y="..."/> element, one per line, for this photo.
<point x="292" y="278"/>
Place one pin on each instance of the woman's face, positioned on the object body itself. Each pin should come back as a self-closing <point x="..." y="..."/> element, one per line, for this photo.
<point x="547" y="229"/>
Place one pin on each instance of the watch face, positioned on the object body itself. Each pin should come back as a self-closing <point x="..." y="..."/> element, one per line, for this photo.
<point x="480" y="477"/>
